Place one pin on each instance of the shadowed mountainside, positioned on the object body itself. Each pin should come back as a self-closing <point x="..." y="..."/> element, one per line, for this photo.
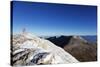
<point x="60" y="41"/>
<point x="79" y="47"/>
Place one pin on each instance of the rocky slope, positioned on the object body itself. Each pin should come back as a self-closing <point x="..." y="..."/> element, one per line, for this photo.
<point x="82" y="49"/>
<point x="78" y="46"/>
<point x="27" y="49"/>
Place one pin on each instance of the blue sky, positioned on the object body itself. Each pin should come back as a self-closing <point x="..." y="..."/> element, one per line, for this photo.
<point x="54" y="19"/>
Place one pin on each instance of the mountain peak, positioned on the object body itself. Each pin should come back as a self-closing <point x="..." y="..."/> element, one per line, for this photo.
<point x="79" y="38"/>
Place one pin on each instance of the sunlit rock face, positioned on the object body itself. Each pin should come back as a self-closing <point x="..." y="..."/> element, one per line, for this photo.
<point x="28" y="49"/>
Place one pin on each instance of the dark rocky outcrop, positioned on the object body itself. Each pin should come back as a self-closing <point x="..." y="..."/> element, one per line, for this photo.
<point x="60" y="41"/>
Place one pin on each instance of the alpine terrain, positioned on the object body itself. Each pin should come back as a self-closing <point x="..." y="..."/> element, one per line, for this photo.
<point x="28" y="49"/>
<point x="83" y="48"/>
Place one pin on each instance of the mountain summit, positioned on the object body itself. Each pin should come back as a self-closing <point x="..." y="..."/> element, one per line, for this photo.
<point x="28" y="49"/>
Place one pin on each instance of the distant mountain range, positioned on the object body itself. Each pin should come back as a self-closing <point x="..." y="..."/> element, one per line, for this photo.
<point x="92" y="39"/>
<point x="64" y="40"/>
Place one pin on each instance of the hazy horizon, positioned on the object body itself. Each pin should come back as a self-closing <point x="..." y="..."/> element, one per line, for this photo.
<point x="54" y="19"/>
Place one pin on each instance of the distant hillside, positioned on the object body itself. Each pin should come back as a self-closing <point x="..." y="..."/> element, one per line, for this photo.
<point x="64" y="40"/>
<point x="91" y="39"/>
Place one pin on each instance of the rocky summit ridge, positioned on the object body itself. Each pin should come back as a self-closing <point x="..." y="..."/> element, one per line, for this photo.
<point x="28" y="49"/>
